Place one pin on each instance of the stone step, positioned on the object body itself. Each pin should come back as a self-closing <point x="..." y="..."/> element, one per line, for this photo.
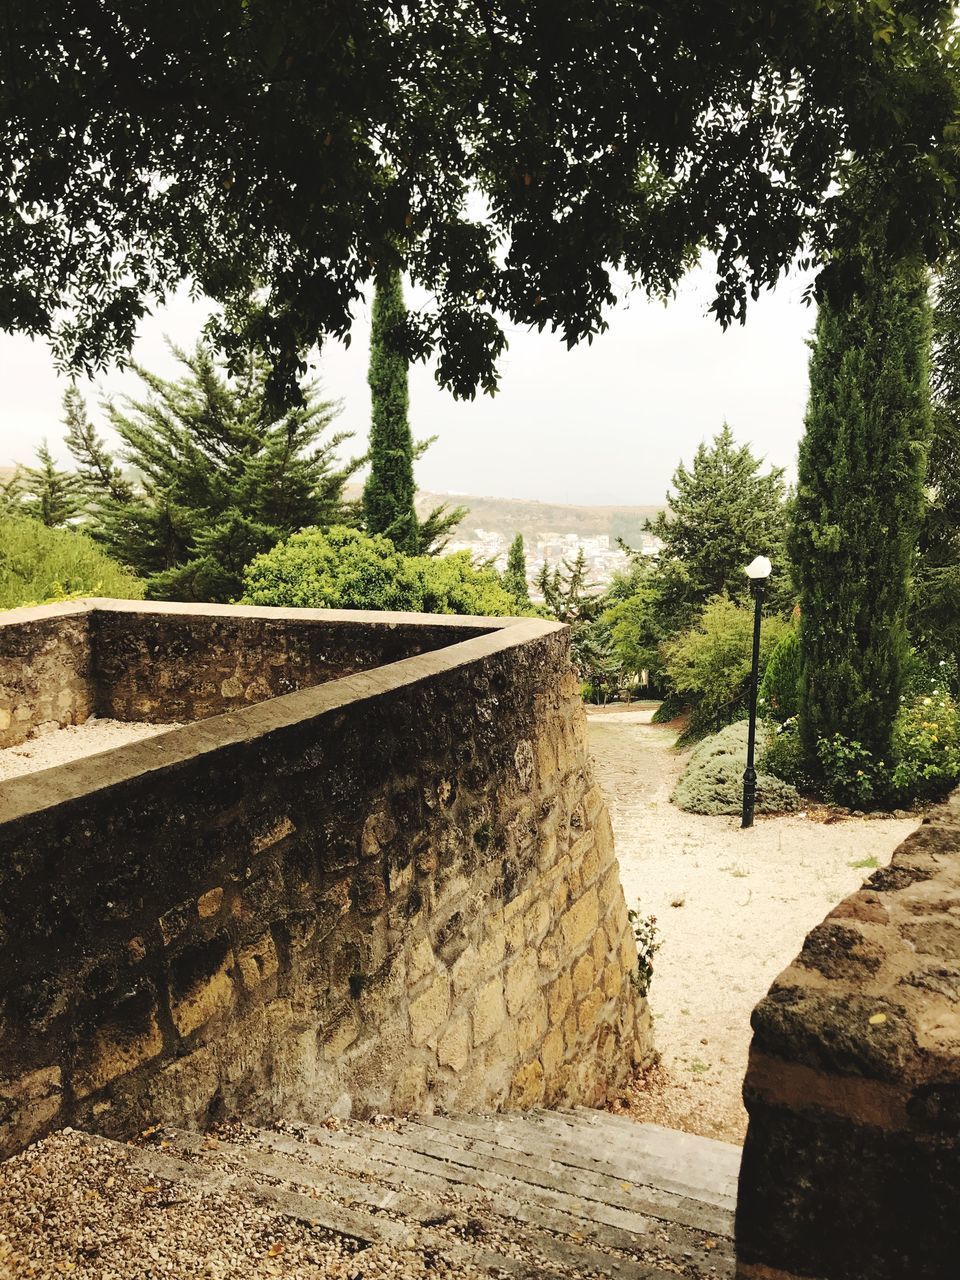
<point x="574" y="1195"/>
<point x="642" y="1154"/>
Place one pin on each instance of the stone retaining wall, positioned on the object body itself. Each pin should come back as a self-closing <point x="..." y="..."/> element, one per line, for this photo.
<point x="46" y="670"/>
<point x="851" y="1168"/>
<point x="394" y="891"/>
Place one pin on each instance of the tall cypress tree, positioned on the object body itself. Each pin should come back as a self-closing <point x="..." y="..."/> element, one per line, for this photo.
<point x="858" y="507"/>
<point x="388" y="495"/>
<point x="515" y="574"/>
<point x="935" y="608"/>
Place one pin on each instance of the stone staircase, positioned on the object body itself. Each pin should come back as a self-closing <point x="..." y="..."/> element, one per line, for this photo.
<point x="540" y="1195"/>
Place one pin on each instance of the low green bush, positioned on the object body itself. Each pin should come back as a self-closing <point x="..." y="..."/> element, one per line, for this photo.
<point x="712" y="782"/>
<point x="342" y="568"/>
<point x="40" y="565"/>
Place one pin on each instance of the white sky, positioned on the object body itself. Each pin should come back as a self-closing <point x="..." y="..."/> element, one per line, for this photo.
<point x="605" y="423"/>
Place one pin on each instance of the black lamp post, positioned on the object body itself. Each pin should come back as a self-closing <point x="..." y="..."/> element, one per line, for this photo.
<point x="758" y="571"/>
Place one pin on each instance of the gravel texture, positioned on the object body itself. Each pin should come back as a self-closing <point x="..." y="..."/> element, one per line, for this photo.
<point x="732" y="907"/>
<point x="57" y="746"/>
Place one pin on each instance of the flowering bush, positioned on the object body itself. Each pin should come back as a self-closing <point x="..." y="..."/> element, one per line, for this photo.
<point x="926" y="746"/>
<point x="924" y="763"/>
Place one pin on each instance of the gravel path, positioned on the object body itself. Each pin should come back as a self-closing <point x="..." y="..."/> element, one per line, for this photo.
<point x="733" y="908"/>
<point x="76" y="740"/>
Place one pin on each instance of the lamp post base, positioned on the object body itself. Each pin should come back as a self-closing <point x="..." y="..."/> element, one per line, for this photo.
<point x="749" y="796"/>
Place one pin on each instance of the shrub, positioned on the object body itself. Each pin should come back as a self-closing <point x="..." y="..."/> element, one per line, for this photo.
<point x="779" y="695"/>
<point x="781" y="753"/>
<point x="924" y="762"/>
<point x="709" y="665"/>
<point x="342" y="568"/>
<point x="712" y="782"/>
<point x="647" y="935"/>
<point x="926" y="747"/>
<point x="39" y="565"/>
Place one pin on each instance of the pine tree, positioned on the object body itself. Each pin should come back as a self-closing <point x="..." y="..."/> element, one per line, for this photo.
<point x="858" y="509"/>
<point x="390" y="491"/>
<point x="220" y="478"/>
<point x="722" y="512"/>
<point x="47" y="494"/>
<point x="515" y="574"/>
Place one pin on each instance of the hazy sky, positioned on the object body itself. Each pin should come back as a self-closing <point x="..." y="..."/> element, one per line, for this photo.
<point x="605" y="423"/>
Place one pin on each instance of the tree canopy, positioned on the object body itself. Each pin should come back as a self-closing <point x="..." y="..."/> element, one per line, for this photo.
<point x="343" y="568"/>
<point x="508" y="157"/>
<point x="722" y="512"/>
<point x="220" y="478"/>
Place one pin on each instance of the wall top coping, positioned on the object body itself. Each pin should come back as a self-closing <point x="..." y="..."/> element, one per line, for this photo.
<point x="26" y="796"/>
<point x="146" y="608"/>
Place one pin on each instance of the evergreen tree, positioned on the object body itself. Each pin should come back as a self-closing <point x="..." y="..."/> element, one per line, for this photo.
<point x="390" y="491"/>
<point x="722" y="512"/>
<point x="220" y="478"/>
<point x="47" y="494"/>
<point x="98" y="472"/>
<point x="388" y="495"/>
<point x="935" y="603"/>
<point x="515" y="574"/>
<point x="858" y="509"/>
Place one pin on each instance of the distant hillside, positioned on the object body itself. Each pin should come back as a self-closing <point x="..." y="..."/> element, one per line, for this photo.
<point x="509" y="516"/>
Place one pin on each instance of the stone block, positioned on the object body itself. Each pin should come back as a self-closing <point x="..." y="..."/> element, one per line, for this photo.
<point x="202" y="988"/>
<point x="129" y="1037"/>
<point x="521" y="981"/>
<point x="538" y="922"/>
<point x="613" y="981"/>
<point x="579" y="923"/>
<point x="453" y="1047"/>
<point x="493" y="946"/>
<point x="272" y="834"/>
<point x="547" y="851"/>
<point x="583" y="974"/>
<point x="588" y="1013"/>
<point x="341" y="1036"/>
<point x="551" y="1053"/>
<point x="182" y="1093"/>
<point x="420" y="960"/>
<point x="489" y="1011"/>
<point x="527" y="1085"/>
<point x="429" y="1011"/>
<point x="514" y="934"/>
<point x="258" y="962"/>
<point x="31" y="1102"/>
<point x="559" y="998"/>
<point x="532" y="1026"/>
<point x="516" y="906"/>
<point x="545" y="751"/>
<point x="410" y="1091"/>
<point x="209" y="903"/>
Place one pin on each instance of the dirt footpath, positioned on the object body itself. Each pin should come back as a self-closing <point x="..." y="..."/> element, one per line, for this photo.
<point x="733" y="909"/>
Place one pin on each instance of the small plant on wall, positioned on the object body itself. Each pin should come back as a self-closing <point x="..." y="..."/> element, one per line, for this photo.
<point x="647" y="934"/>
